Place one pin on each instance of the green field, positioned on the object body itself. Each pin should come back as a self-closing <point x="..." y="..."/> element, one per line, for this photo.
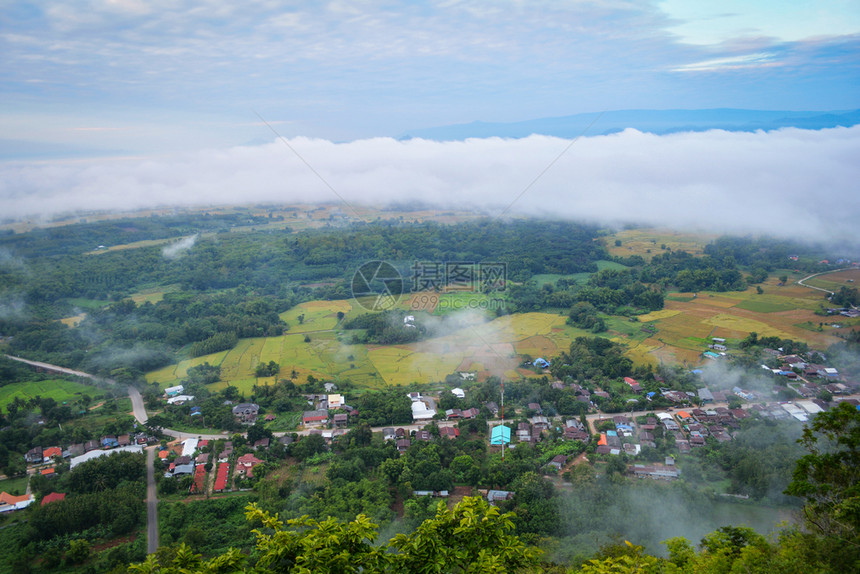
<point x="491" y="345"/>
<point x="14" y="486"/>
<point x="60" y="390"/>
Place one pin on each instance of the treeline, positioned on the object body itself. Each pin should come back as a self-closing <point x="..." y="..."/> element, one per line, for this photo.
<point x="385" y="328"/>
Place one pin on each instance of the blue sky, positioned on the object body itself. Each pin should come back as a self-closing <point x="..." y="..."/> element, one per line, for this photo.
<point x="118" y="104"/>
<point x="136" y="76"/>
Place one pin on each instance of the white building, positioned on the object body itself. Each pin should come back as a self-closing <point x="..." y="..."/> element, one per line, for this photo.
<point x="459" y="393"/>
<point x="180" y="399"/>
<point x="172" y="391"/>
<point x="189" y="445"/>
<point x="420" y="412"/>
<point x="97" y="453"/>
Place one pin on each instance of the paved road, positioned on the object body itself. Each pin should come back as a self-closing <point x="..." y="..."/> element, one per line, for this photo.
<point x="151" y="503"/>
<point x="801" y="281"/>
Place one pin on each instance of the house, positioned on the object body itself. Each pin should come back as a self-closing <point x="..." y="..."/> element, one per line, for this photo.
<point x="335" y="401"/>
<point x="540" y="423"/>
<point x="246" y="463"/>
<point x="173" y="391"/>
<point x="183" y="469"/>
<point x="9" y="503"/>
<point x="202" y="458"/>
<point x="184" y="459"/>
<point x="221" y="477"/>
<point x="109" y="442"/>
<point x="388" y="433"/>
<point x="470" y="413"/>
<point x="459" y="393"/>
<point x="500" y="435"/>
<point x="269" y="417"/>
<point x="414" y="396"/>
<point x="453" y="414"/>
<point x="315" y="417"/>
<point x="196" y="412"/>
<point x="246" y="412"/>
<point x="656" y="472"/>
<point x="34" y="455"/>
<point x="449" y="432"/>
<point x="403" y="445"/>
<point x="341" y="419"/>
<point x="199" y="485"/>
<point x="48" y="472"/>
<point x="493" y="408"/>
<point x="423" y="435"/>
<point x="499" y="495"/>
<point x="705" y="396"/>
<point x="262" y="444"/>
<point x="123" y="440"/>
<point x="557" y="462"/>
<point x="180" y="399"/>
<point x="541" y="363"/>
<point x="189" y="446"/>
<point x="50" y="452"/>
<point x="53" y="497"/>
<point x="162" y="455"/>
<point x="535" y="407"/>
<point x="420" y="411"/>
<point x="633" y="384"/>
<point x="76" y="449"/>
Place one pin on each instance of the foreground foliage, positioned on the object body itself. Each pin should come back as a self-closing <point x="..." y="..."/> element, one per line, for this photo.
<point x="472" y="537"/>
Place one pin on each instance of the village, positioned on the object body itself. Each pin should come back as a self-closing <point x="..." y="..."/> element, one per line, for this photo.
<point x="213" y="465"/>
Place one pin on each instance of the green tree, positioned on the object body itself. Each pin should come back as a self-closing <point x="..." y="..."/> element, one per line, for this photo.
<point x="828" y="476"/>
<point x="472" y="537"/>
<point x="79" y="550"/>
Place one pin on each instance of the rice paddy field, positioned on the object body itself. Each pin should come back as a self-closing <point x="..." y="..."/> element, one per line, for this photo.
<point x="58" y="389"/>
<point x="648" y="242"/>
<point x="486" y="345"/>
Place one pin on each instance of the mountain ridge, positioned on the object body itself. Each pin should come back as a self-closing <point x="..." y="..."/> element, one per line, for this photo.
<point x="659" y="122"/>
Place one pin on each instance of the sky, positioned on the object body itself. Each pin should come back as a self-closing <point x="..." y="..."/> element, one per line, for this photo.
<point x="128" y="94"/>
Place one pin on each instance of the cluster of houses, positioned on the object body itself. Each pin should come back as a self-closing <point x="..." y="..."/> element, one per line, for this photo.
<point x="81" y="452"/>
<point x="689" y="429"/>
<point x="190" y="460"/>
<point x="403" y="438"/>
<point x="324" y="414"/>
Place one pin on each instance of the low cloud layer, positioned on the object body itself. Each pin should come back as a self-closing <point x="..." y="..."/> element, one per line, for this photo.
<point x="790" y="182"/>
<point x="178" y="248"/>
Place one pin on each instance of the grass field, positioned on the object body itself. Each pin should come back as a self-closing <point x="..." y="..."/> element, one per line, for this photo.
<point x="134" y="245"/>
<point x="60" y="390"/>
<point x="14" y="486"/>
<point x="833" y="281"/>
<point x="679" y="333"/>
<point x="316" y="315"/>
<point x="73" y="321"/>
<point x="153" y="295"/>
<point x="647" y="242"/>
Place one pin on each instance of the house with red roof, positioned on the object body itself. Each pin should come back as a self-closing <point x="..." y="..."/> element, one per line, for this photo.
<point x="53" y="497"/>
<point x="49" y="453"/>
<point x="221" y="477"/>
<point x="246" y="464"/>
<point x="8" y="503"/>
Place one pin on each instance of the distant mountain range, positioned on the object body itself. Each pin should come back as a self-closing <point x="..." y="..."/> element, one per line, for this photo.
<point x="653" y="121"/>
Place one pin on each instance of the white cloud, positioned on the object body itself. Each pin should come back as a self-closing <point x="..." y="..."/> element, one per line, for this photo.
<point x="791" y="182"/>
<point x="178" y="248"/>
